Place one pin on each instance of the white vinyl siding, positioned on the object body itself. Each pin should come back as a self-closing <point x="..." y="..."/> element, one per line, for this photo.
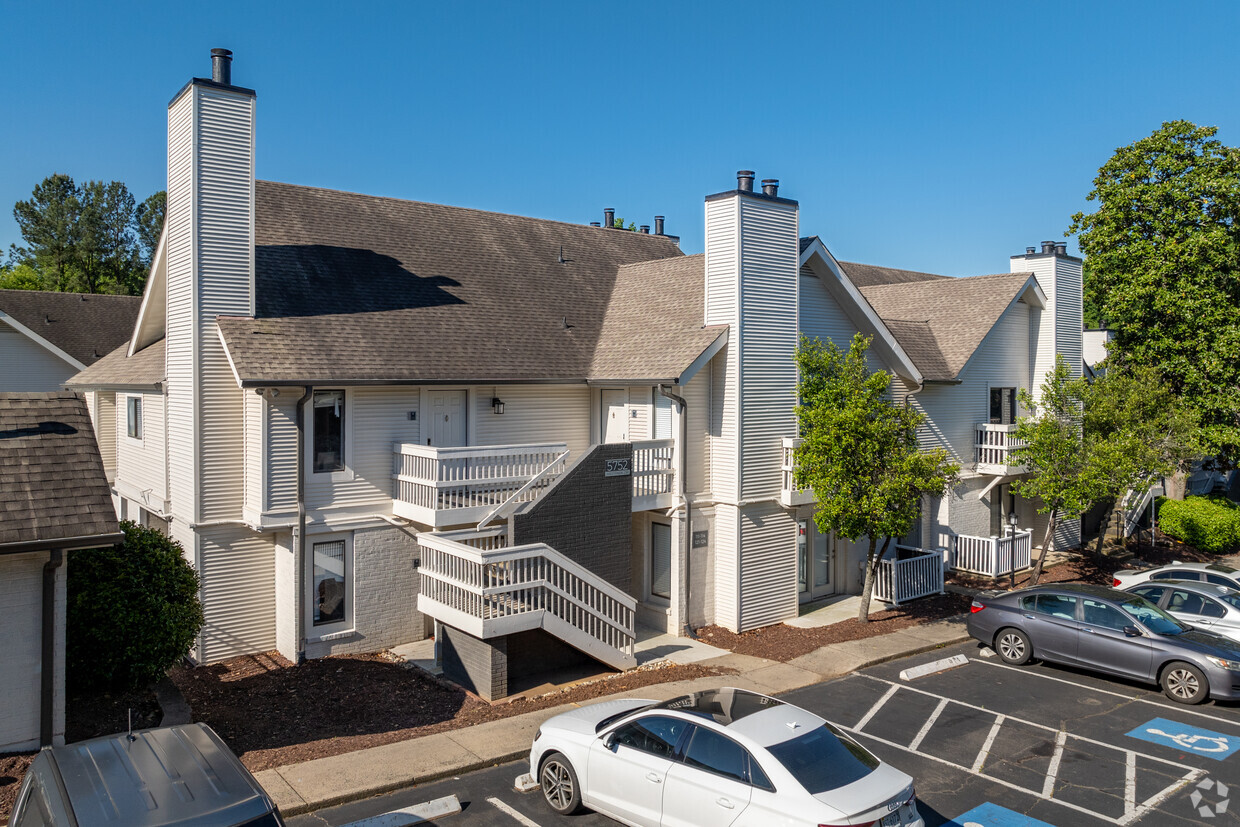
<point x="27" y="366"/>
<point x="640" y="420"/>
<point x="533" y="413"/>
<point x="104" y="409"/>
<point x="280" y="448"/>
<point x="179" y="249"/>
<point x="253" y="405"/>
<point x="238" y="593"/>
<point x="141" y="466"/>
<point x="724" y="470"/>
<point x="375" y="419"/>
<point x="21" y="595"/>
<point x="728" y="567"/>
<point x="768" y="565"/>
<point x="722" y="264"/>
<point x="662" y="419"/>
<point x="768" y="338"/>
<point x="697" y="395"/>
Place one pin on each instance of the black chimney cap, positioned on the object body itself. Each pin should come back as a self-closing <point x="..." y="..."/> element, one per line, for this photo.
<point x="1029" y="251"/>
<point x="770" y="186"/>
<point x="1061" y="249"/>
<point x="1048" y="248"/>
<point x="744" y="180"/>
<point x="221" y="66"/>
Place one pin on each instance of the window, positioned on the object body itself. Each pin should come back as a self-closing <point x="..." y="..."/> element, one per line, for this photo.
<point x="328" y="431"/>
<point x="330" y="594"/>
<point x="710" y="751"/>
<point x="1151" y="593"/>
<point x="1189" y="603"/>
<point x="661" y="428"/>
<point x="1057" y="605"/>
<point x="661" y="560"/>
<point x="824" y="759"/>
<point x="654" y="734"/>
<point x="1100" y="614"/>
<point x="1002" y="406"/>
<point x="133" y="408"/>
<point x="1175" y="575"/>
<point x="1218" y="580"/>
<point x="1152" y="617"/>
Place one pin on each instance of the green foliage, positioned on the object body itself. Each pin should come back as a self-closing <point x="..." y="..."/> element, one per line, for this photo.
<point x="133" y="610"/>
<point x="619" y="225"/>
<point x="1163" y="253"/>
<point x="20" y="277"/>
<point x="91" y="238"/>
<point x="1207" y="523"/>
<point x="859" y="452"/>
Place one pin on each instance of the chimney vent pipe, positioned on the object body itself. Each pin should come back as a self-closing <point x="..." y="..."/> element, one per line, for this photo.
<point x="744" y="180"/>
<point x="770" y="186"/>
<point x="221" y="66"/>
<point x="1061" y="249"/>
<point x="658" y="225"/>
<point x="644" y="229"/>
<point x="1031" y="251"/>
<point x="593" y="223"/>
<point x="609" y="217"/>
<point x="1048" y="248"/>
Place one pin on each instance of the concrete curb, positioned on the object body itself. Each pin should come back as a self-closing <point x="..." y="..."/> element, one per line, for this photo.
<point x="281" y="782"/>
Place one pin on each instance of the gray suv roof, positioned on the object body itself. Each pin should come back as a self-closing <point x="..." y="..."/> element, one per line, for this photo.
<point x="182" y="775"/>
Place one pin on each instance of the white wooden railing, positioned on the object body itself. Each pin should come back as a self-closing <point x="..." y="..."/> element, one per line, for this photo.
<point x="789" y="494"/>
<point x="994" y="446"/>
<point x="488" y="592"/>
<point x="450" y="486"/>
<point x="654" y="473"/>
<point x="918" y="574"/>
<point x="992" y="556"/>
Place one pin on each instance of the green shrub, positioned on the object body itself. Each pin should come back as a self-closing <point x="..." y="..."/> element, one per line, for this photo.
<point x="1207" y="523"/>
<point x="133" y="611"/>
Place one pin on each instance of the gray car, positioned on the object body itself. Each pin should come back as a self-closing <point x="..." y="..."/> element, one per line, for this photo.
<point x="1106" y="630"/>
<point x="1200" y="605"/>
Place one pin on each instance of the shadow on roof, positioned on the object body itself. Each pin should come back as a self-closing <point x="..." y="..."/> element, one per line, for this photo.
<point x="42" y="428"/>
<point x="316" y="280"/>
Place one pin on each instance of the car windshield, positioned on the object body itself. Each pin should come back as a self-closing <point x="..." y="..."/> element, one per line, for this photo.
<point x="1231" y="598"/>
<point x="1220" y="568"/>
<point x="610" y="719"/>
<point x="823" y="759"/>
<point x="1152" y="617"/>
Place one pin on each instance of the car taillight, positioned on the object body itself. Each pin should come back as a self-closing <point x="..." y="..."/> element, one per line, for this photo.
<point x="1115" y="582"/>
<point x="976" y="606"/>
<point x="912" y="796"/>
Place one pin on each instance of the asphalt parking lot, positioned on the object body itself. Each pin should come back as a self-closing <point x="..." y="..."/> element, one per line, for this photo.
<point x="988" y="745"/>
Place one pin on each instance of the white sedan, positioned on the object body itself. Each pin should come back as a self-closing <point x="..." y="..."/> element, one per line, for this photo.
<point x="1214" y="573"/>
<point x="724" y="757"/>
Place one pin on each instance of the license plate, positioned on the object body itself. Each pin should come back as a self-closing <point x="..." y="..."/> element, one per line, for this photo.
<point x="891" y="819"/>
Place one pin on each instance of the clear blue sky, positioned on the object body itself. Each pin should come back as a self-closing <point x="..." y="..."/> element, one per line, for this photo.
<point x="939" y="136"/>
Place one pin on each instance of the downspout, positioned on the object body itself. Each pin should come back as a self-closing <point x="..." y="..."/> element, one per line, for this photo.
<point x="300" y="590"/>
<point x="48" y="669"/>
<point x="682" y="618"/>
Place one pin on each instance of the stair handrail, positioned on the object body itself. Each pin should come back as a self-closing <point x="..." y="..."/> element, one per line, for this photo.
<point x="494" y="512"/>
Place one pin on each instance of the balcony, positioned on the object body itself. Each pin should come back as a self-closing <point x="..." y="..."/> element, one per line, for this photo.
<point x="992" y="556"/>
<point x="789" y="495"/>
<point x="994" y="446"/>
<point x="442" y="487"/>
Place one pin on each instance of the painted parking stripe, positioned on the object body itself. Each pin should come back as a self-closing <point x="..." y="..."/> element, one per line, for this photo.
<point x="1101" y="691"/>
<point x="1191" y="739"/>
<point x="1052" y="772"/>
<point x="511" y="813"/>
<point x="992" y="815"/>
<point x="877" y="706"/>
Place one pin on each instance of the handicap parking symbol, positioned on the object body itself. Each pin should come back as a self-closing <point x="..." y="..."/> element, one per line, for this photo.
<point x="992" y="815"/>
<point x="1190" y="739"/>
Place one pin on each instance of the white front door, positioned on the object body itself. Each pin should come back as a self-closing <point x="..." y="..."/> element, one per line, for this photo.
<point x="447" y="421"/>
<point x="615" y="416"/>
<point x="814" y="561"/>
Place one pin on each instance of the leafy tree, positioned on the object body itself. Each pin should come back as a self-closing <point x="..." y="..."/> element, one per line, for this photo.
<point x="859" y="452"/>
<point x="133" y="610"/>
<point x="49" y="226"/>
<point x="1139" y="429"/>
<point x="619" y="225"/>
<point x="1064" y="468"/>
<point x="149" y="224"/>
<point x="107" y="246"/>
<point x="20" y="277"/>
<point x="1163" y="252"/>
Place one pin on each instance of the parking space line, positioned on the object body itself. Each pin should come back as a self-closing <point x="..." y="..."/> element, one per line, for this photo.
<point x="1130" y="784"/>
<point x="990" y="742"/>
<point x="513" y="814"/>
<point x="877" y="705"/>
<point x="934" y="716"/>
<point x="1052" y="772"/>
<point x="1039" y="674"/>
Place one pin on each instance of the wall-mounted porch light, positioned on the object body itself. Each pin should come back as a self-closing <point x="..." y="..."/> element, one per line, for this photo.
<point x="497" y="405"/>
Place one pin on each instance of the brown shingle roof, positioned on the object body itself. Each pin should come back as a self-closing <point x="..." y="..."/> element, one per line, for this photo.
<point x="871" y="275"/>
<point x="145" y="369"/>
<point x="84" y="325"/>
<point x="653" y="327"/>
<point x="359" y="288"/>
<point x="52" y="484"/>
<point x="941" y="322"/>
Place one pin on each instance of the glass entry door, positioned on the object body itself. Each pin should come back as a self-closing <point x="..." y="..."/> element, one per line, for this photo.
<point x="814" y="562"/>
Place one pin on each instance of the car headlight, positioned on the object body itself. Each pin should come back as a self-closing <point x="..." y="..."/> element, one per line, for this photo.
<point x="538" y="734"/>
<point x="1233" y="665"/>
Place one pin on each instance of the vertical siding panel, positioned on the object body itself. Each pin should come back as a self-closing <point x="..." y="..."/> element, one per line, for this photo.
<point x="179" y="250"/>
<point x="238" y="569"/>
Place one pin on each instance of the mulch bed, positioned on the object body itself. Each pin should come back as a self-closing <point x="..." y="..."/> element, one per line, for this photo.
<point x="782" y="642"/>
<point x="12" y="767"/>
<point x="273" y="713"/>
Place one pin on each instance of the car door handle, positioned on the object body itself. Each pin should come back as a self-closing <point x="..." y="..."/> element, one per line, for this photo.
<point x="1087" y="630"/>
<point x="723" y="802"/>
<point x="1028" y="617"/>
<point x="655" y="777"/>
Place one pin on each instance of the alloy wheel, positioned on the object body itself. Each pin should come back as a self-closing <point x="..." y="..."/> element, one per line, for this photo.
<point x="1012" y="647"/>
<point x="557" y="784"/>
<point x="1182" y="684"/>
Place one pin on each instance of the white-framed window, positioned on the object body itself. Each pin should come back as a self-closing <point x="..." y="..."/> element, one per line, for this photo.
<point x="133" y="417"/>
<point x="661" y="427"/>
<point x="328" y="443"/>
<point x="661" y="560"/>
<point x="331" y="582"/>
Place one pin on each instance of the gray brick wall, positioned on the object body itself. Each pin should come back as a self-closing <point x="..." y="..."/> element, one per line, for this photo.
<point x="587" y="516"/>
<point x="481" y="666"/>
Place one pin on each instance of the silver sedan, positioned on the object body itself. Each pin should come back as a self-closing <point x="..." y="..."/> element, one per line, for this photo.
<point x="1200" y="605"/>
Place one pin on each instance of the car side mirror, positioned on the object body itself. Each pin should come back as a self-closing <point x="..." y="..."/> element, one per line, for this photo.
<point x="609" y="740"/>
<point x="1132" y="631"/>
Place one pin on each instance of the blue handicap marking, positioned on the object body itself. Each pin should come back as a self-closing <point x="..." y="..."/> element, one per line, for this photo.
<point x="992" y="815"/>
<point x="1190" y="739"/>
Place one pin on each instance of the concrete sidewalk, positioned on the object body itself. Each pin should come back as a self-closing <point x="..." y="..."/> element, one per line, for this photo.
<point x="325" y="782"/>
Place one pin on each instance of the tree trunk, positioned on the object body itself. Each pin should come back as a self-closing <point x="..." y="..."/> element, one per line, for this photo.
<point x="1046" y="545"/>
<point x="1176" y="483"/>
<point x="1106" y="524"/>
<point x="871" y="572"/>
